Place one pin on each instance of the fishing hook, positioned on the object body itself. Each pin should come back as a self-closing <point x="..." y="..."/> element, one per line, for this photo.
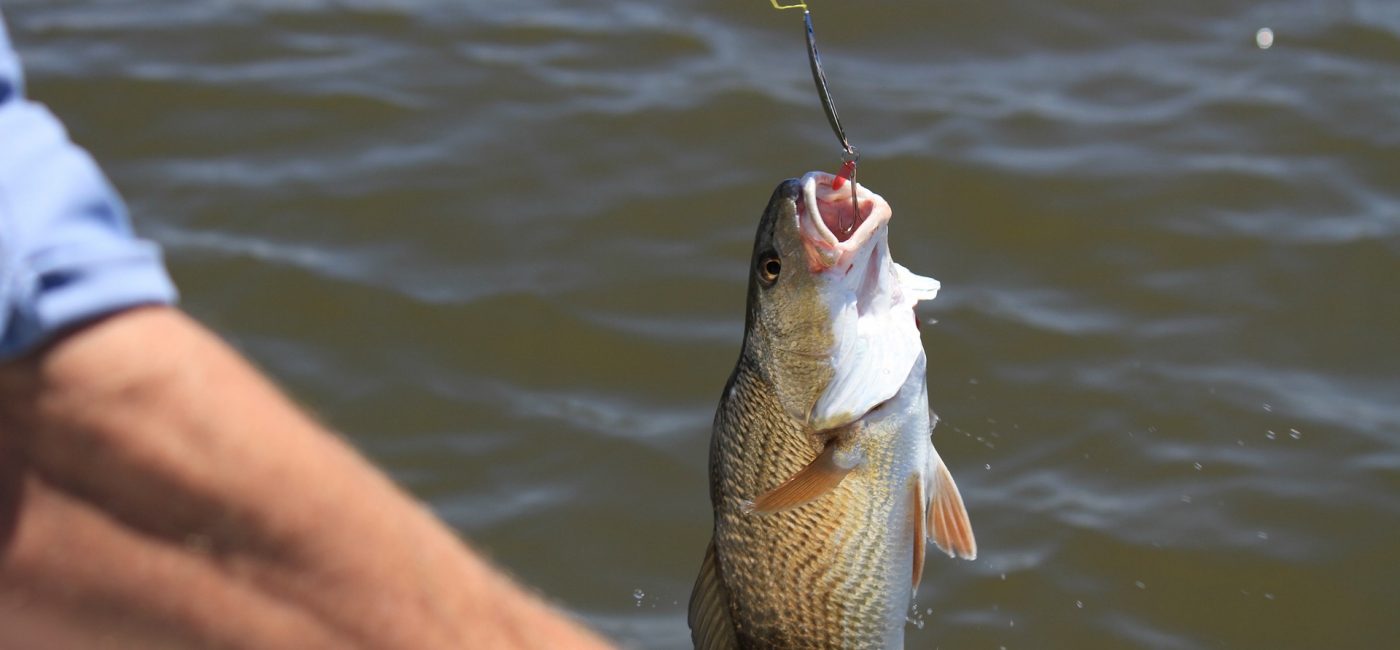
<point x="849" y="156"/>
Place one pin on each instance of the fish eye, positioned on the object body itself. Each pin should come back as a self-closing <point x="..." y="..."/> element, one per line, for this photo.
<point x="769" y="267"/>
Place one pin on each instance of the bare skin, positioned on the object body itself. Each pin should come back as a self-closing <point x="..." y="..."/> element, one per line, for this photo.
<point x="157" y="492"/>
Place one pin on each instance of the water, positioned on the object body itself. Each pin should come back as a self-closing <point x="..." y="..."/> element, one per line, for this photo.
<point x="502" y="247"/>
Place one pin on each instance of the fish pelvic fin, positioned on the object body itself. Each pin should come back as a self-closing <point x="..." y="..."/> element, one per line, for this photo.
<point x="820" y="476"/>
<point x="947" y="523"/>
<point x="920" y="534"/>
<point x="711" y="627"/>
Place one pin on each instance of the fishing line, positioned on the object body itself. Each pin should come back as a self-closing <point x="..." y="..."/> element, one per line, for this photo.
<point x="849" y="156"/>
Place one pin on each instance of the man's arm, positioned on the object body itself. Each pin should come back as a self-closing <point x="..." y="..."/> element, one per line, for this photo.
<point x="155" y="491"/>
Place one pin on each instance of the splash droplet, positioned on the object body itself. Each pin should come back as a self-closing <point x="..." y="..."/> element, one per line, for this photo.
<point x="1264" y="38"/>
<point x="638" y="595"/>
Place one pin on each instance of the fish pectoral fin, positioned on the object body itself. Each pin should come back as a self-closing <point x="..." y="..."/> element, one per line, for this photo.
<point x="820" y="476"/>
<point x="711" y="627"/>
<point x="948" y="525"/>
<point x="920" y="534"/>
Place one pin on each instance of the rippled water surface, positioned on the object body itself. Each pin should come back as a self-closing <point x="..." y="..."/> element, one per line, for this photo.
<point x="502" y="246"/>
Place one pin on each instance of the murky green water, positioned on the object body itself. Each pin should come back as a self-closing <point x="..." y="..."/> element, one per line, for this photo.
<point x="502" y="246"/>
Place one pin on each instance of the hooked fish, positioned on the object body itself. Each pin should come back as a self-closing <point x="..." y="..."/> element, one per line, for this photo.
<point x="823" y="475"/>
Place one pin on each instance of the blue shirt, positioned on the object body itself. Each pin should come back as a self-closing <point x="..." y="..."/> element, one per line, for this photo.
<point x="67" y="253"/>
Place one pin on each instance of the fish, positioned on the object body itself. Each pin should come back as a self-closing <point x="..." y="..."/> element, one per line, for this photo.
<point x="824" y="480"/>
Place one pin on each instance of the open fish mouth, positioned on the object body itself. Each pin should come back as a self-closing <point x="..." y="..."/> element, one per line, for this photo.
<point x="832" y="228"/>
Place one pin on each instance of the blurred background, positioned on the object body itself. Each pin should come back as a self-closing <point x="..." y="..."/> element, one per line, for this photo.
<point x="502" y="246"/>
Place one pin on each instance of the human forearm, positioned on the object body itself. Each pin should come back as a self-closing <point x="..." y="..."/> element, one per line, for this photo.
<point x="240" y="519"/>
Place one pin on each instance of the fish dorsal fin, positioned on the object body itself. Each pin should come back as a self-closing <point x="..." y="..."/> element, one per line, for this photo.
<point x="947" y="522"/>
<point x="711" y="627"/>
<point x="920" y="534"/>
<point x="820" y="476"/>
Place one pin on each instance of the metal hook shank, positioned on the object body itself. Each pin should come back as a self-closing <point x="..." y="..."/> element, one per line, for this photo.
<point x="819" y="77"/>
<point x="849" y="153"/>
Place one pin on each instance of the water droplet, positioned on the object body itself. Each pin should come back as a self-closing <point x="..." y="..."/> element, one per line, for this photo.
<point x="1268" y="408"/>
<point x="1012" y="623"/>
<point x="1003" y="576"/>
<point x="1295" y="434"/>
<point x="1079" y="604"/>
<point x="1270" y="435"/>
<point x="989" y="466"/>
<point x="1185" y="498"/>
<point x="638" y="594"/>
<point x="1140" y="584"/>
<point x="1199" y="466"/>
<point x="1263" y="535"/>
<point x="1269" y="596"/>
<point x="1264" y="38"/>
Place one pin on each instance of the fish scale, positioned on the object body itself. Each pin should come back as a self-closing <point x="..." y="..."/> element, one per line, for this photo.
<point x="835" y="598"/>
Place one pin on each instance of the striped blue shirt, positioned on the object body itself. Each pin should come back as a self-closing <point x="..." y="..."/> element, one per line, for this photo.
<point x="67" y="253"/>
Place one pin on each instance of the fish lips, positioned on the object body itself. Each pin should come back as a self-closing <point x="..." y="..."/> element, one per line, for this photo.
<point x="833" y="232"/>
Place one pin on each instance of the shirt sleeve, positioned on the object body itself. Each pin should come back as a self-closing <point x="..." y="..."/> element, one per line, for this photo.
<point x="67" y="253"/>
